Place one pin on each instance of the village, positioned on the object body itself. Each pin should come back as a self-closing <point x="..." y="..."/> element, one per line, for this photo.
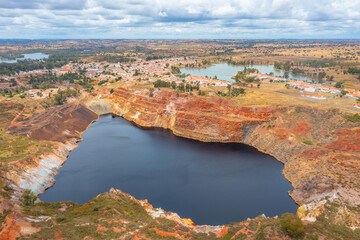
<point x="167" y="70"/>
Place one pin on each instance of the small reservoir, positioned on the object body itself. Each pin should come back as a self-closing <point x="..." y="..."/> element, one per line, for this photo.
<point x="26" y="56"/>
<point x="224" y="71"/>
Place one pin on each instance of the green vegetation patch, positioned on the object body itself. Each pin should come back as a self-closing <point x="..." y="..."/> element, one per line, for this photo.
<point x="242" y="75"/>
<point x="108" y="216"/>
<point x="20" y="148"/>
<point x="292" y="225"/>
<point x="308" y="142"/>
<point x="29" y="198"/>
<point x="331" y="224"/>
<point x="352" y="118"/>
<point x="61" y="96"/>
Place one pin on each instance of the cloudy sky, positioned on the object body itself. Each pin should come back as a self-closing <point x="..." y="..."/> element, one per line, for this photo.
<point x="139" y="19"/>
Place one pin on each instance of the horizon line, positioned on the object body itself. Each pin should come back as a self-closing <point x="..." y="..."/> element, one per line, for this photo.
<point x="237" y="39"/>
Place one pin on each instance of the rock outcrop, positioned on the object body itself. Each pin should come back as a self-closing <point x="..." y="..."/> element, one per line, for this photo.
<point x="321" y="158"/>
<point x="64" y="126"/>
<point x="212" y="120"/>
<point x="309" y="147"/>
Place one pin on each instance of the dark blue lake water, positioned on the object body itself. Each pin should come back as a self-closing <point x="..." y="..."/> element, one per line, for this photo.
<point x="211" y="183"/>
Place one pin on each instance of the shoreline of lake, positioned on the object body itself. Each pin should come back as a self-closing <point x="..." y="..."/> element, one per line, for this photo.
<point x="25" y="56"/>
<point x="158" y="200"/>
<point x="225" y="71"/>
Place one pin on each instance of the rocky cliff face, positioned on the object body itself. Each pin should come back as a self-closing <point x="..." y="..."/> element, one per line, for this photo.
<point x="212" y="120"/>
<point x="321" y="158"/>
<point x="63" y="125"/>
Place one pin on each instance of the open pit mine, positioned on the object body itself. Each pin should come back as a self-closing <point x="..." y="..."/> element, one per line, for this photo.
<point x="322" y="174"/>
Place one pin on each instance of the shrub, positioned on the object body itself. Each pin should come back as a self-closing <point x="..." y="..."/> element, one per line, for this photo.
<point x="60" y="218"/>
<point x="29" y="198"/>
<point x="102" y="82"/>
<point x="292" y="225"/>
<point x="339" y="84"/>
<point x="160" y="83"/>
<point x="227" y="236"/>
<point x="60" y="96"/>
<point x="308" y="142"/>
<point x="354" y="118"/>
<point x="260" y="234"/>
<point x="201" y="93"/>
<point x="96" y="209"/>
<point x="313" y="237"/>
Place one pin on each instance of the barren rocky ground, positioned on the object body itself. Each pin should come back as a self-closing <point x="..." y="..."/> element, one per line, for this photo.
<point x="318" y="146"/>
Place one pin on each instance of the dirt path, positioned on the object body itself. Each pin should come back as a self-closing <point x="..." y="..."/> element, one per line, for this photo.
<point x="15" y="118"/>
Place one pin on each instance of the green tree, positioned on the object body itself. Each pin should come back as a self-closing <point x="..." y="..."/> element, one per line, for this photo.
<point x="137" y="73"/>
<point x="29" y="198"/>
<point x="344" y="92"/>
<point x="175" y="70"/>
<point x="277" y="65"/>
<point x="339" y="84"/>
<point x="241" y="75"/>
<point x="60" y="98"/>
<point x="286" y="66"/>
<point x="286" y="75"/>
<point x="160" y="83"/>
<point x="321" y="75"/>
<point x="237" y="91"/>
<point x="229" y="89"/>
<point x="292" y="225"/>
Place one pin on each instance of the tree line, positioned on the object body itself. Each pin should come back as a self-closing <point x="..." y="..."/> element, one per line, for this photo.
<point x="181" y="87"/>
<point x="242" y="75"/>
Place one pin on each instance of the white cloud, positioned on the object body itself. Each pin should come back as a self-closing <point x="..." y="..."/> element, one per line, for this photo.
<point x="163" y="14"/>
<point x="225" y="11"/>
<point x="182" y="19"/>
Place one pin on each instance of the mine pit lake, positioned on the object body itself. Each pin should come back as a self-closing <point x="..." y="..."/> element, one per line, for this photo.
<point x="211" y="183"/>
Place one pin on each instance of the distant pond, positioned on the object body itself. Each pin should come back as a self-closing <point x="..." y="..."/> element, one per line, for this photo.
<point x="30" y="56"/>
<point x="211" y="183"/>
<point x="225" y="71"/>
